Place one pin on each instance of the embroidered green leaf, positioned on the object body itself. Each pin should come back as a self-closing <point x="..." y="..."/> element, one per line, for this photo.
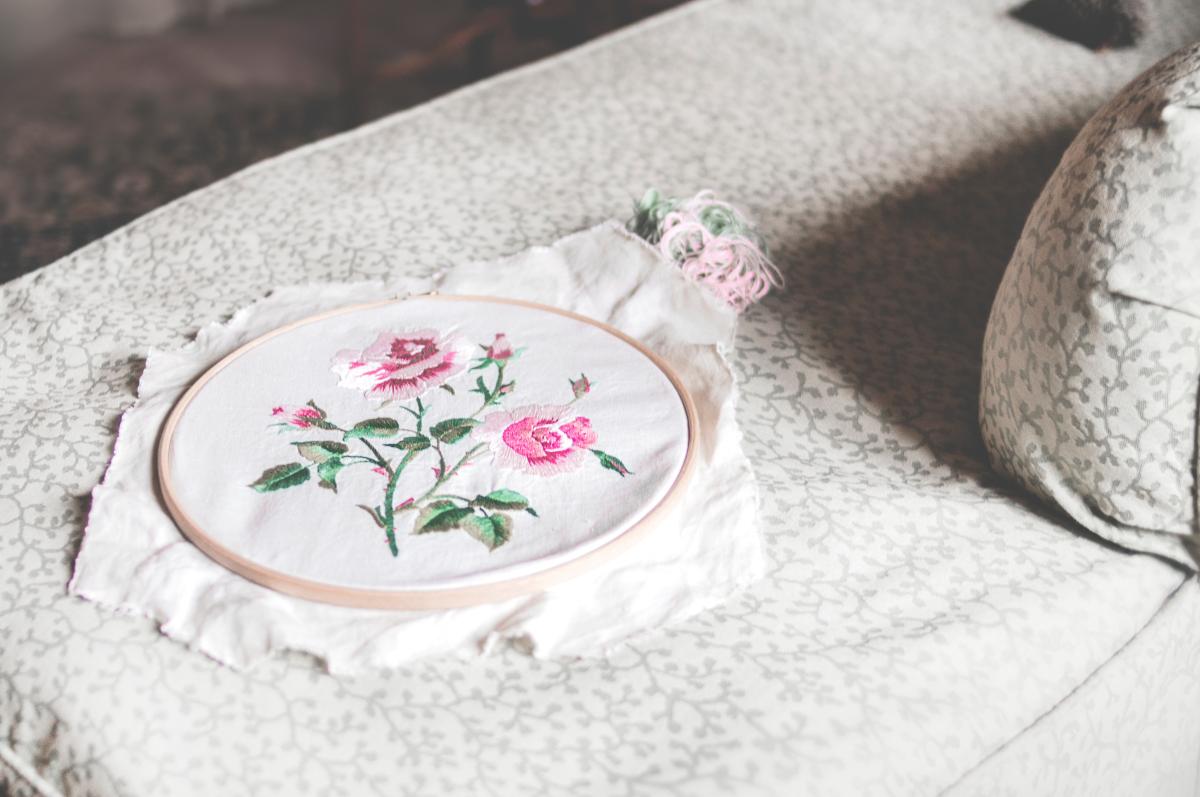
<point x="532" y="511"/>
<point x="492" y="530"/>
<point x="281" y="477"/>
<point x="374" y="513"/>
<point x="452" y="430"/>
<point x="415" y="443"/>
<point x="440" y="516"/>
<point x="373" y="427"/>
<point x="321" y="450"/>
<point x="327" y="471"/>
<point x="611" y="462"/>
<point x="502" y="499"/>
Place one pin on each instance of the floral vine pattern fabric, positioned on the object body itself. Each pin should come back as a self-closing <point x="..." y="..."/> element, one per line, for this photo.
<point x="402" y="369"/>
<point x="899" y="569"/>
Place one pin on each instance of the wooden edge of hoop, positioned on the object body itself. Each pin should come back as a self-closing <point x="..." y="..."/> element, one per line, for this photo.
<point x="418" y="599"/>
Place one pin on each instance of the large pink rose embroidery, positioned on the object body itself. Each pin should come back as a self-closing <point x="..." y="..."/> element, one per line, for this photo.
<point x="402" y="365"/>
<point x="544" y="440"/>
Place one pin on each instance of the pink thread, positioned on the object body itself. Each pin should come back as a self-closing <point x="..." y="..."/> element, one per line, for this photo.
<point x="732" y="266"/>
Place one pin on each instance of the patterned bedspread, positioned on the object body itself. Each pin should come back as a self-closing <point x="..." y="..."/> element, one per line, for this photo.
<point x="923" y="628"/>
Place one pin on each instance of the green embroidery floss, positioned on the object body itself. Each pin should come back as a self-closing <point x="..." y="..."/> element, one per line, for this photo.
<point x="648" y="215"/>
<point x="712" y="243"/>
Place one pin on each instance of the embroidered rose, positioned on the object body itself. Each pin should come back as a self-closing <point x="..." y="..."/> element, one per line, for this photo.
<point x="581" y="386"/>
<point x="402" y="365"/>
<point x="500" y="349"/>
<point x="299" y="417"/>
<point x="545" y="440"/>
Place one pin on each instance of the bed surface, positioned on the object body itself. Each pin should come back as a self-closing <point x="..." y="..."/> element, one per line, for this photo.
<point x="923" y="628"/>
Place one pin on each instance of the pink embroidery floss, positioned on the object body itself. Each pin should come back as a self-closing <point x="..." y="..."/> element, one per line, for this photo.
<point x="712" y="242"/>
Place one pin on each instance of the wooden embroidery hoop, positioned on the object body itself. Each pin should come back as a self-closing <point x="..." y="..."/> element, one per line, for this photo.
<point x="417" y="599"/>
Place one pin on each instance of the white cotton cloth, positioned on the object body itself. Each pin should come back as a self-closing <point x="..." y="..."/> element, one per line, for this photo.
<point x="135" y="559"/>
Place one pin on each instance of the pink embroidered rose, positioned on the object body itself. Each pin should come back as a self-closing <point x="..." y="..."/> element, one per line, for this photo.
<point x="300" y="417"/>
<point x="402" y="365"/>
<point x="544" y="440"/>
<point x="500" y="349"/>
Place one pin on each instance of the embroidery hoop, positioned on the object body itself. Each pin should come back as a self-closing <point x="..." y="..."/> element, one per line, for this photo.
<point x="421" y="599"/>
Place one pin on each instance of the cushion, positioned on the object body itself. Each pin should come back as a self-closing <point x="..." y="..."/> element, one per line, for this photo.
<point x="1091" y="359"/>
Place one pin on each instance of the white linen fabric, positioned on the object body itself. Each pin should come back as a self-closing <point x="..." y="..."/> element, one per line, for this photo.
<point x="1091" y="363"/>
<point x="919" y="617"/>
<point x="134" y="558"/>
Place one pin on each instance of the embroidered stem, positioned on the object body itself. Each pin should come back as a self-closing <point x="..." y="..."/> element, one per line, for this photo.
<point x="379" y="460"/>
<point x="441" y="460"/>
<point x="494" y="398"/>
<point x="418" y="413"/>
<point x="491" y="397"/>
<point x="445" y="477"/>
<point x="389" y="502"/>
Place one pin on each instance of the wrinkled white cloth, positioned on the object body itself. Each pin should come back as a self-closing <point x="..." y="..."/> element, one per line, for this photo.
<point x="135" y="559"/>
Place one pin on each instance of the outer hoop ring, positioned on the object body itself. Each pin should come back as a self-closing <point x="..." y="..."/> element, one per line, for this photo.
<point x="449" y="598"/>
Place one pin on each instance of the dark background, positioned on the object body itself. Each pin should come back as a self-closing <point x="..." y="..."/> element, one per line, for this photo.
<point x="96" y="130"/>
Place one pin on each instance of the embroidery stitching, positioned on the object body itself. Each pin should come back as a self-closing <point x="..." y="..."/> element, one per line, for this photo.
<point x="543" y="440"/>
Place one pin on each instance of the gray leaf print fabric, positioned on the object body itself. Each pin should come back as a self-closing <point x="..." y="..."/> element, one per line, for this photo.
<point x="1091" y="362"/>
<point x="919" y="617"/>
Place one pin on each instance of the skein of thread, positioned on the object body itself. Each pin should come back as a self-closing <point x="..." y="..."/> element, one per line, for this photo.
<point x="712" y="242"/>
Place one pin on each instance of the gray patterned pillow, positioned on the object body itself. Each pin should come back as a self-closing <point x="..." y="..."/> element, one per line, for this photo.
<point x="1091" y="361"/>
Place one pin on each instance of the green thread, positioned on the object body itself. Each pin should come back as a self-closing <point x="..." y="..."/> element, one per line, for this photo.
<point x="718" y="218"/>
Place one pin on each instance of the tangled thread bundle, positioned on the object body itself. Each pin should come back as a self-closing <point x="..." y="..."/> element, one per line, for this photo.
<point x="712" y="242"/>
